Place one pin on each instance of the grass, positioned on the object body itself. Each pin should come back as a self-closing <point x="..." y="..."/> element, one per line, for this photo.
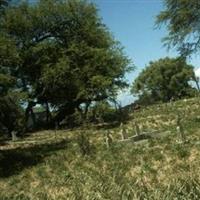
<point x="66" y="165"/>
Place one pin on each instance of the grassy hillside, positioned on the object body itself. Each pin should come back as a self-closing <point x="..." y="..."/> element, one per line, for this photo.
<point x="51" y="165"/>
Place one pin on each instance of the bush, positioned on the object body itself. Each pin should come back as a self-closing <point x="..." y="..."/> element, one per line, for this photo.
<point x="104" y="112"/>
<point x="11" y="115"/>
<point x="84" y="144"/>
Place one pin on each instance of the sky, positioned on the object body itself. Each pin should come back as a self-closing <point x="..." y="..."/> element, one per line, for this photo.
<point x="132" y="22"/>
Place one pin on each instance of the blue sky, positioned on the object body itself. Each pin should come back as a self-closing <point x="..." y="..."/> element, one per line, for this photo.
<point x="132" y="23"/>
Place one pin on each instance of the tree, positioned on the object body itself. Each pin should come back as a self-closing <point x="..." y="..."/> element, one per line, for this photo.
<point x="3" y="4"/>
<point x="182" y="18"/>
<point x="164" y="80"/>
<point x="10" y="111"/>
<point x="67" y="56"/>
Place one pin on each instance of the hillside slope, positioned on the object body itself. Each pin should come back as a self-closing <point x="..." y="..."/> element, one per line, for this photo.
<point x="76" y="164"/>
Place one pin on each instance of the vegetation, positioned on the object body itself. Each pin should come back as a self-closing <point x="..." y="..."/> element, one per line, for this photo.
<point x="3" y="4"/>
<point x="11" y="116"/>
<point x="164" y="80"/>
<point x="62" y="56"/>
<point x="182" y="19"/>
<point x="59" y="60"/>
<point x="76" y="164"/>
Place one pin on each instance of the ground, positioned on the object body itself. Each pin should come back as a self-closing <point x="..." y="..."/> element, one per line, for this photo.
<point x="76" y="164"/>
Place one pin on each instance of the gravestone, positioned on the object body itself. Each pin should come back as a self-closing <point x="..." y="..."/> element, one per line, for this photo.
<point x="108" y="139"/>
<point x="14" y="135"/>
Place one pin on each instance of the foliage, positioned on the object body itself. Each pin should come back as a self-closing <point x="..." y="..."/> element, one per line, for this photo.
<point x="10" y="110"/>
<point x="102" y="112"/>
<point x="164" y="80"/>
<point x="182" y="18"/>
<point x="67" y="56"/>
<point x="3" y="4"/>
<point x="11" y="115"/>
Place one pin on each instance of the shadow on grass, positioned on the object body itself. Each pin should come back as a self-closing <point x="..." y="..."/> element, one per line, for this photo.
<point x="13" y="161"/>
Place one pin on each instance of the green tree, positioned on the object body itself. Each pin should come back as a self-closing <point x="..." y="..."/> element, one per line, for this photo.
<point x="67" y="56"/>
<point x="10" y="111"/>
<point x="3" y="4"/>
<point x="182" y="18"/>
<point x="164" y="80"/>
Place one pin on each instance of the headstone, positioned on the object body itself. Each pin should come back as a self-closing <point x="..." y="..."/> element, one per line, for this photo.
<point x="180" y="130"/>
<point x="14" y="135"/>
<point x="123" y="132"/>
<point x="109" y="139"/>
<point x="137" y="129"/>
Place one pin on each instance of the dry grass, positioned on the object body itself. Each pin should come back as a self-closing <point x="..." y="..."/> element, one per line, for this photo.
<point x="49" y="165"/>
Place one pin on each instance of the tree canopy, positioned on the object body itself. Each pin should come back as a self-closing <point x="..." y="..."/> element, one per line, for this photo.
<point x="10" y="111"/>
<point x="61" y="54"/>
<point x="164" y="80"/>
<point x="182" y="18"/>
<point x="3" y="4"/>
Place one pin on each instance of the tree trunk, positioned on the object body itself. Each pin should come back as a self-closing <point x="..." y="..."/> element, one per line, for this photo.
<point x="29" y="112"/>
<point x="48" y="113"/>
<point x="85" y="117"/>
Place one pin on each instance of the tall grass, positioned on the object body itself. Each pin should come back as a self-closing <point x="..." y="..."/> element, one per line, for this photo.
<point x="80" y="167"/>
